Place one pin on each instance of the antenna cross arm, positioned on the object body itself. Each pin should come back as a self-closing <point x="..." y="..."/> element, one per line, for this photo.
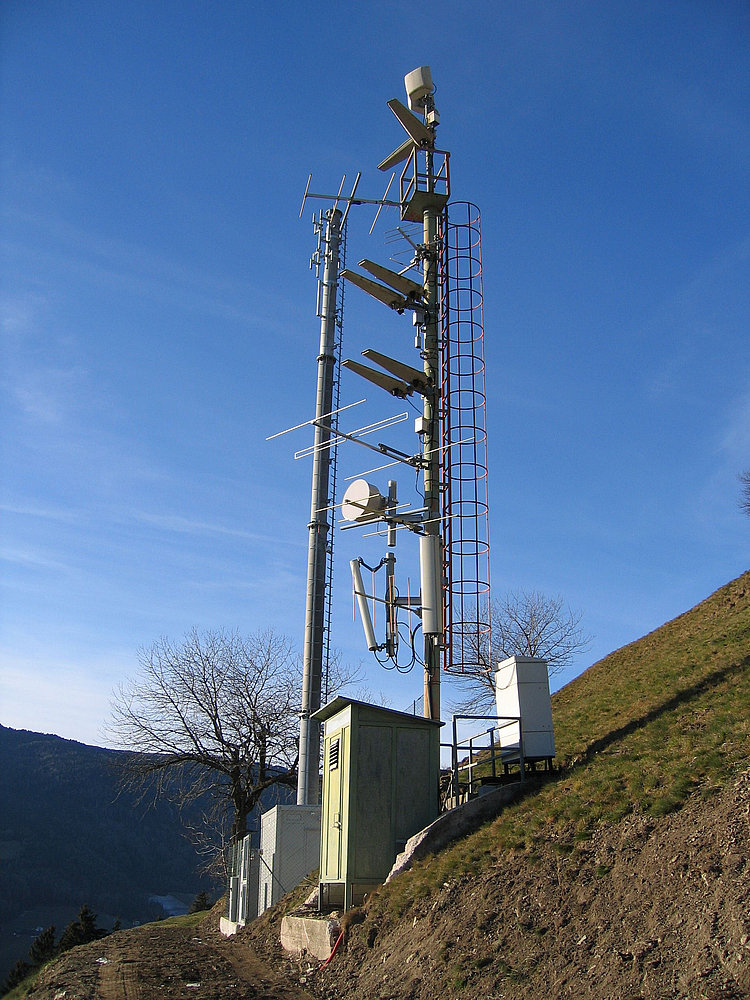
<point x="415" y="461"/>
<point x="356" y="201"/>
<point x="413" y="522"/>
<point x="414" y="603"/>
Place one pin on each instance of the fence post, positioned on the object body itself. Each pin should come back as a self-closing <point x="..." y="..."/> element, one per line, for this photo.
<point x="454" y="754"/>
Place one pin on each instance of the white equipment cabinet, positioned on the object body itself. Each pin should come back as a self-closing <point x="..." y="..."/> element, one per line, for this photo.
<point x="289" y="850"/>
<point x="242" y="896"/>
<point x="522" y="689"/>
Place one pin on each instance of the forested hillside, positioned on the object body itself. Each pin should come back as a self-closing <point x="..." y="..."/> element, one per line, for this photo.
<point x="68" y="836"/>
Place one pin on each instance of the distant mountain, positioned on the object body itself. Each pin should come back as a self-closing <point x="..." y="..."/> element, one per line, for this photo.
<point x="69" y="836"/>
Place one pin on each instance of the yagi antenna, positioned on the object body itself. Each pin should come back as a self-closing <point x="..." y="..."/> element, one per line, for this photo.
<point x="349" y="199"/>
<point x="367" y="472"/>
<point x="380" y="206"/>
<point x="306" y="423"/>
<point x="407" y="237"/>
<point x="341" y="188"/>
<point x="355" y="435"/>
<point x="304" y="196"/>
<point x="390" y="465"/>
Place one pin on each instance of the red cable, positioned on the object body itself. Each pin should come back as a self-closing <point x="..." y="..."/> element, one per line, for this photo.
<point x="333" y="952"/>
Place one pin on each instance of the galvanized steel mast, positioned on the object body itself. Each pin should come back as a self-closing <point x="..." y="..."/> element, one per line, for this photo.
<point x="431" y="556"/>
<point x="308" y="781"/>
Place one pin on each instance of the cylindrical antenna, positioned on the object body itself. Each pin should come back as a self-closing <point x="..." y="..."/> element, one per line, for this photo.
<point x="364" y="609"/>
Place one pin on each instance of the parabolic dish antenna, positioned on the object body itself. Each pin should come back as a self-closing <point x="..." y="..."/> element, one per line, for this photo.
<point x="362" y="502"/>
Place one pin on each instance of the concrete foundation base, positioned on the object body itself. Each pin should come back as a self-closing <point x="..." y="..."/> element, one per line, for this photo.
<point x="314" y="935"/>
<point x="228" y="927"/>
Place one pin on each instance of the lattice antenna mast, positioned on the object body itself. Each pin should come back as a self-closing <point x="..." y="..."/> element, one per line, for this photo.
<point x="330" y="227"/>
<point x="453" y="603"/>
<point x="425" y="188"/>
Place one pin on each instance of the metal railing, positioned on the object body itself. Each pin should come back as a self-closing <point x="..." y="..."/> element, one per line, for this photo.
<point x="492" y="752"/>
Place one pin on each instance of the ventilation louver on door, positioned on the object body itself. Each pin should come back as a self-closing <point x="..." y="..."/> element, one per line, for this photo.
<point x="333" y="755"/>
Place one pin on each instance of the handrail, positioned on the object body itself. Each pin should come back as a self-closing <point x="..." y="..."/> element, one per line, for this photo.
<point x="505" y="720"/>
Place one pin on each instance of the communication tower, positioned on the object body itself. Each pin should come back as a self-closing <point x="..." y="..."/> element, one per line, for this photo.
<point x="441" y="287"/>
<point x="330" y="254"/>
<point x="447" y="309"/>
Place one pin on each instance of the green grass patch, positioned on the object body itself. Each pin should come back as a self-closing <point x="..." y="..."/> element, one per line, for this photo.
<point x="23" y="989"/>
<point x="641" y="730"/>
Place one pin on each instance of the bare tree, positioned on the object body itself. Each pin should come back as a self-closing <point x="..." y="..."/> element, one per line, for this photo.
<point x="524" y="623"/>
<point x="744" y="478"/>
<point x="214" y="716"/>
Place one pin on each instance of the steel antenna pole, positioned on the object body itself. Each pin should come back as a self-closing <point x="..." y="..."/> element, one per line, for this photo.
<point x="430" y="544"/>
<point x="308" y="791"/>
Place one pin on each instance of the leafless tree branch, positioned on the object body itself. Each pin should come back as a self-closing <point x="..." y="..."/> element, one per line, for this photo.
<point x="744" y="478"/>
<point x="524" y="623"/>
<point x="213" y="715"/>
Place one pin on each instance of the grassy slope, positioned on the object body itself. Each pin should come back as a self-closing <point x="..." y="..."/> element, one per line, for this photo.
<point x="639" y="730"/>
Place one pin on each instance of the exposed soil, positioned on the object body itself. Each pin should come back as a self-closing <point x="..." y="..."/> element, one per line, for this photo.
<point x="648" y="908"/>
<point x="164" y="961"/>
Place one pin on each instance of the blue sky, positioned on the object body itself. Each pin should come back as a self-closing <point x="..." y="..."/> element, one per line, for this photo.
<point x="158" y="313"/>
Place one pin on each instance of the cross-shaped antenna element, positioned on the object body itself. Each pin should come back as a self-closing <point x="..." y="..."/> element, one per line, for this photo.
<point x="418" y="132"/>
<point x="395" y="386"/>
<point x="416" y="378"/>
<point x="383" y="294"/>
<point x="411" y="289"/>
<point x="398" y="155"/>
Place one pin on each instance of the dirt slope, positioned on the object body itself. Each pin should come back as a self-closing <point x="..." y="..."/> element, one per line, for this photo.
<point x="652" y="908"/>
<point x="647" y="908"/>
<point x="161" y="962"/>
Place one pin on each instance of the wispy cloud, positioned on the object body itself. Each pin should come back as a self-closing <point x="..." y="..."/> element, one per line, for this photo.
<point x="44" y="513"/>
<point x="183" y="525"/>
<point x="45" y="394"/>
<point x="43" y="391"/>
<point x="121" y="266"/>
<point x="33" y="560"/>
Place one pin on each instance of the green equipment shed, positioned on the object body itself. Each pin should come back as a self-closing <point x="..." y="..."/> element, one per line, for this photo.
<point x="381" y="771"/>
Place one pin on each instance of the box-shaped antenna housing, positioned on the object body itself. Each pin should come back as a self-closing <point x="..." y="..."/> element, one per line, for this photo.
<point x="418" y="85"/>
